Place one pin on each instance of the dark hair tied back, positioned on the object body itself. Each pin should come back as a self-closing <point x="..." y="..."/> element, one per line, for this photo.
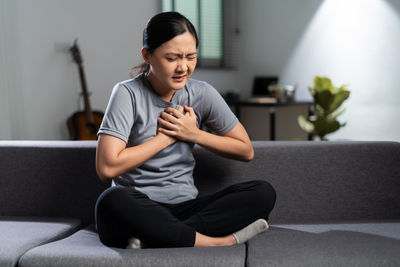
<point x="163" y="27"/>
<point x="160" y="29"/>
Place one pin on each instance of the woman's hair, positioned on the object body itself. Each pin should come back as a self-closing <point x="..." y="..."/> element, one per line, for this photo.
<point x="163" y="27"/>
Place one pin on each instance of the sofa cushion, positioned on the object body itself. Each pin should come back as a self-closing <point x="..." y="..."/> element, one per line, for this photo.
<point x="366" y="244"/>
<point x="18" y="234"/>
<point x="85" y="249"/>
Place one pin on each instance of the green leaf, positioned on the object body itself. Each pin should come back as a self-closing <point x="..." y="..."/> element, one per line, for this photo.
<point x="323" y="99"/>
<point x="342" y="88"/>
<point x="304" y="124"/>
<point x="338" y="99"/>
<point x="322" y="84"/>
<point x="336" y="113"/>
<point x="323" y="126"/>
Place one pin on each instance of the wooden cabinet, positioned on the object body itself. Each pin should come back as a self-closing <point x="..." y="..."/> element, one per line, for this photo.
<point x="272" y="121"/>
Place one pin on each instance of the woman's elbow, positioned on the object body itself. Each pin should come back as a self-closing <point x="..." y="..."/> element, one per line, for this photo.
<point x="249" y="155"/>
<point x="104" y="173"/>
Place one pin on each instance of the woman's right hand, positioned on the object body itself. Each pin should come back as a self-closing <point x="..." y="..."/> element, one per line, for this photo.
<point x="169" y="138"/>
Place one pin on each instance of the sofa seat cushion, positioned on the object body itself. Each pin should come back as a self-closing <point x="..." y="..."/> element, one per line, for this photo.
<point x="19" y="234"/>
<point x="85" y="249"/>
<point x="363" y="244"/>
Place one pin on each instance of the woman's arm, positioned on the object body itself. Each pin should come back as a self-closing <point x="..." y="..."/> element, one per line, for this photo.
<point x="234" y="144"/>
<point x="114" y="158"/>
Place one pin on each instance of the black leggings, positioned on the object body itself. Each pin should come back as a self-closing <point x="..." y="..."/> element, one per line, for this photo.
<point x="123" y="212"/>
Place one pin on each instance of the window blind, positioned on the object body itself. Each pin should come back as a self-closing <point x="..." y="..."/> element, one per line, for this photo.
<point x="207" y="16"/>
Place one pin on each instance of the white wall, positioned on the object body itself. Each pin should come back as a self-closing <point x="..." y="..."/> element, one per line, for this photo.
<point x="352" y="41"/>
<point x="356" y="43"/>
<point x="11" y="115"/>
<point x="109" y="36"/>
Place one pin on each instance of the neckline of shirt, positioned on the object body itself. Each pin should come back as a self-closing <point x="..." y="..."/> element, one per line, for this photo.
<point x="156" y="99"/>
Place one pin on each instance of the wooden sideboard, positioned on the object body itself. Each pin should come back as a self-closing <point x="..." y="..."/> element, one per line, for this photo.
<point x="272" y="121"/>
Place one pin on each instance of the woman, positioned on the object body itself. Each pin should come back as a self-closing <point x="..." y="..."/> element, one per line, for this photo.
<point x="145" y="145"/>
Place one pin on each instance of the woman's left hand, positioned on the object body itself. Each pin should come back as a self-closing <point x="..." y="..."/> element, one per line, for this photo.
<point x="182" y="126"/>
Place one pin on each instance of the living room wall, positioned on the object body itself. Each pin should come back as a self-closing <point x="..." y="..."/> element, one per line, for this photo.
<point x="353" y="42"/>
<point x="109" y="36"/>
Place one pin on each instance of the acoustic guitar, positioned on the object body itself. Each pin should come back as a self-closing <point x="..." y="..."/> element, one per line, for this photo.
<point x="83" y="125"/>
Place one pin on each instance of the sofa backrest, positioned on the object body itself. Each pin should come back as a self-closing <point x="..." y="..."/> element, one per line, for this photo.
<point x="315" y="181"/>
<point x="49" y="178"/>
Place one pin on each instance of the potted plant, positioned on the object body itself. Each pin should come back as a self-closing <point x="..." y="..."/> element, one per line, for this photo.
<point x="327" y="100"/>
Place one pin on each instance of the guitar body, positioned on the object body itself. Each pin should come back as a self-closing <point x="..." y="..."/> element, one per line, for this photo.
<point x="80" y="129"/>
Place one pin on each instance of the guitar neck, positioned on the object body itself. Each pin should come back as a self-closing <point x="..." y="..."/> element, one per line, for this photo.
<point x="88" y="109"/>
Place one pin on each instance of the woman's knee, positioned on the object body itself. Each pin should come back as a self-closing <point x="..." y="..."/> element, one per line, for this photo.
<point x="119" y="198"/>
<point x="108" y="197"/>
<point x="266" y="194"/>
<point x="111" y="230"/>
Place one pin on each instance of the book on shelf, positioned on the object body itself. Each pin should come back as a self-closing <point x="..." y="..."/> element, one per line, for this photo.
<point x="263" y="100"/>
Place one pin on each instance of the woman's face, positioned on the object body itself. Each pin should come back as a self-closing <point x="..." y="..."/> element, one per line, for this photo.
<point x="172" y="63"/>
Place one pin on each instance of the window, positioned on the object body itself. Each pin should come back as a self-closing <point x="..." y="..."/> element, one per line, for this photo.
<point x="208" y="17"/>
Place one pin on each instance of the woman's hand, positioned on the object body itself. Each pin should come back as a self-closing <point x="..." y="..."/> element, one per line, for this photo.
<point x="175" y="124"/>
<point x="168" y="139"/>
<point x="234" y="144"/>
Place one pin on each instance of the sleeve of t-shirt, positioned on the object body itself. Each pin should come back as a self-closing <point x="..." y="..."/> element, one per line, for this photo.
<point x="218" y="117"/>
<point x="119" y="115"/>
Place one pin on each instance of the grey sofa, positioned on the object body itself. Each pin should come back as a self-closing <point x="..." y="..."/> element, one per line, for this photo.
<point x="338" y="204"/>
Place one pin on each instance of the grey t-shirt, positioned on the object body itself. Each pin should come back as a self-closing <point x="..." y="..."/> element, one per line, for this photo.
<point x="131" y="115"/>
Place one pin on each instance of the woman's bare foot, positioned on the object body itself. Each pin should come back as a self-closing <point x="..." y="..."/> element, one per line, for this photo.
<point x="208" y="241"/>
